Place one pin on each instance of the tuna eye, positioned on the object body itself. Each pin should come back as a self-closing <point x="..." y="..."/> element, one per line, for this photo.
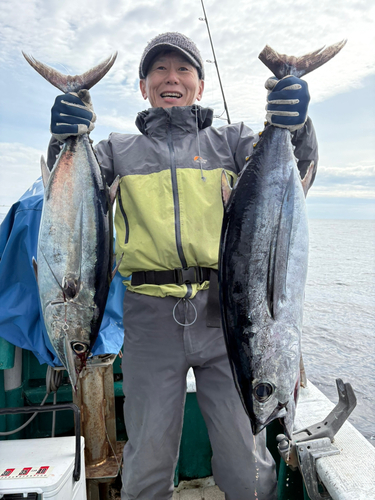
<point x="262" y="392"/>
<point x="79" y="347"/>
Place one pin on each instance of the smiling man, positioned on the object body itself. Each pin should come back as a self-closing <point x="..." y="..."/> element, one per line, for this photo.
<point x="171" y="81"/>
<point x="168" y="222"/>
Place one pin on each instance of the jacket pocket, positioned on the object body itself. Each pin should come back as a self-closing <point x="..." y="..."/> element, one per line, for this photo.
<point x="124" y="216"/>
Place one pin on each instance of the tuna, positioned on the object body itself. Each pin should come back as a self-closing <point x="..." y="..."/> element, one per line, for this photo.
<point x="75" y="244"/>
<point x="263" y="266"/>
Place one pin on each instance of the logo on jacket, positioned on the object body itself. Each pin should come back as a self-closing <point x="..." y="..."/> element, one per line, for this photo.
<point x="199" y="159"/>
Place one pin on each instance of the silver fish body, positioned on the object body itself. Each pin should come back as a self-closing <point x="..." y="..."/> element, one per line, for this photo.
<point x="74" y="253"/>
<point x="263" y="268"/>
<point x="263" y="265"/>
<point x="75" y="243"/>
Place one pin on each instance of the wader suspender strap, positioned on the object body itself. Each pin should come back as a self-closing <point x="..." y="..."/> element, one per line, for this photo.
<point x="213" y="319"/>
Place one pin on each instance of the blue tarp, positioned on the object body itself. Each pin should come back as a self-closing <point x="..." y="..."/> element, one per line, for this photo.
<point x="21" y="321"/>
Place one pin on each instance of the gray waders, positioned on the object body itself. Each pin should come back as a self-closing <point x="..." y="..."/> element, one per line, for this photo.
<point x="157" y="355"/>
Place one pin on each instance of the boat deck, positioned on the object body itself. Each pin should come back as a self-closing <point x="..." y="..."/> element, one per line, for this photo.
<point x="208" y="493"/>
<point x="198" y="489"/>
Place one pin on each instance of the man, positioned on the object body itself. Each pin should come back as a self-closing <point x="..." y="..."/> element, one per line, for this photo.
<point x="168" y="221"/>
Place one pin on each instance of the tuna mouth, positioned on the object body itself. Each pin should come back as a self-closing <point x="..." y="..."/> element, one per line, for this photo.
<point x="280" y="412"/>
<point x="176" y="95"/>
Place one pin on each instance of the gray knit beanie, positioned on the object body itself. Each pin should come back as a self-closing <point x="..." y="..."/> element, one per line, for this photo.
<point x="171" y="41"/>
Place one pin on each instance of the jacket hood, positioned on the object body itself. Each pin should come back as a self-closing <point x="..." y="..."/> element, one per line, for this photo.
<point x="154" y="121"/>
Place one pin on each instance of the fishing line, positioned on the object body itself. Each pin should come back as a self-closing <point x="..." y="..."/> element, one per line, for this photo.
<point x="109" y="441"/>
<point x="215" y="60"/>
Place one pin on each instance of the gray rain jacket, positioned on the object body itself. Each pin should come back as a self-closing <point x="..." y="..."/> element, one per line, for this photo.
<point x="169" y="207"/>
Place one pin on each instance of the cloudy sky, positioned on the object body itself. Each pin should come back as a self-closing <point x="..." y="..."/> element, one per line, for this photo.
<point x="73" y="36"/>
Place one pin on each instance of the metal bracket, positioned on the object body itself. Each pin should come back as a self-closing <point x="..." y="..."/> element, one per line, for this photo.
<point x="334" y="420"/>
<point x="307" y="453"/>
<point x="314" y="441"/>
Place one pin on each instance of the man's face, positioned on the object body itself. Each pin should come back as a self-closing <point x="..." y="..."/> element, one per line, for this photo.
<point x="171" y="81"/>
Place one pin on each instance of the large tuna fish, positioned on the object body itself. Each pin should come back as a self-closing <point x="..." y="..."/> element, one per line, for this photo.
<point x="263" y="266"/>
<point x="74" y="257"/>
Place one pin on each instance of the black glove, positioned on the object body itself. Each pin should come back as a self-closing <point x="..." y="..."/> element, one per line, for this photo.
<point x="287" y="102"/>
<point x="72" y="114"/>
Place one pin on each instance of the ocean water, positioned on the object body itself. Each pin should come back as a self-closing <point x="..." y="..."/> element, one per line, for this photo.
<point x="339" y="315"/>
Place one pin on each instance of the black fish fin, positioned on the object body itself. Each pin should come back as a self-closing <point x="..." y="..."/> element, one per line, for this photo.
<point x="271" y="278"/>
<point x="282" y="65"/>
<point x="283" y="243"/>
<point x="308" y="178"/>
<point x="79" y="246"/>
<point x="113" y="188"/>
<point x="45" y="171"/>
<point x="35" y="268"/>
<point x="226" y="189"/>
<point x="68" y="83"/>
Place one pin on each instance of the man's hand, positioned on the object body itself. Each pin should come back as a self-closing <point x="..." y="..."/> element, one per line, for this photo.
<point x="72" y="114"/>
<point x="287" y="102"/>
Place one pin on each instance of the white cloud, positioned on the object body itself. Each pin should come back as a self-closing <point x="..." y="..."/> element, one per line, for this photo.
<point x="342" y="191"/>
<point x="119" y="123"/>
<point x="351" y="171"/>
<point x="74" y="36"/>
<point x="352" y="181"/>
<point x="19" y="168"/>
<point x="78" y="35"/>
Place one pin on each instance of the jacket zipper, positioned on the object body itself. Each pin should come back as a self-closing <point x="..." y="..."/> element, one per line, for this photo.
<point x="125" y="217"/>
<point x="175" y="198"/>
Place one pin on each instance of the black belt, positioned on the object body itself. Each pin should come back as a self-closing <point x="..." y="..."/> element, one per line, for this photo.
<point x="184" y="276"/>
<point x="173" y="276"/>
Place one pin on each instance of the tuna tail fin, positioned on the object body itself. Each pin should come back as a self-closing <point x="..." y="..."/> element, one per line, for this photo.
<point x="282" y="65"/>
<point x="68" y="83"/>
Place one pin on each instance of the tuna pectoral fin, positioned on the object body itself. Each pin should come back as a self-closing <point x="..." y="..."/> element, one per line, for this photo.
<point x="307" y="180"/>
<point x="226" y="189"/>
<point x="45" y="171"/>
<point x="282" y="65"/>
<point x="71" y="282"/>
<point x="112" y="190"/>
<point x="116" y="268"/>
<point x="278" y="271"/>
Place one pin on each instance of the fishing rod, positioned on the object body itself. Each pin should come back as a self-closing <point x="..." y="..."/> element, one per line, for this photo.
<point x="215" y="60"/>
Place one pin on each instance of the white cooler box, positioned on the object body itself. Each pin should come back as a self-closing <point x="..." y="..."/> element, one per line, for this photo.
<point x="43" y="467"/>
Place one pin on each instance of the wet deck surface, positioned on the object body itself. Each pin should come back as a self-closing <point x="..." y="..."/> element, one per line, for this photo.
<point x="198" y="489"/>
<point x="207" y="493"/>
